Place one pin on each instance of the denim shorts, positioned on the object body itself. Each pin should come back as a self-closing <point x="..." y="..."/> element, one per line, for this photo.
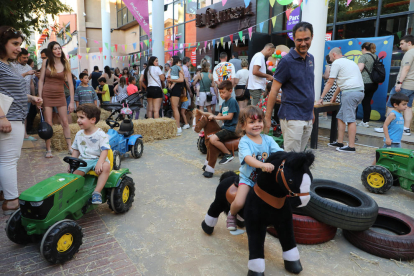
<point x="186" y="104"/>
<point x="90" y="165"/>
<point x="393" y="145"/>
<point x="408" y="93"/>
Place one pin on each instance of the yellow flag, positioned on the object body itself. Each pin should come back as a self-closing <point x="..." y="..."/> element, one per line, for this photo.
<point x="221" y="40"/>
<point x="326" y="2"/>
<point x="162" y="43"/>
<point x="68" y="33"/>
<point x="87" y="56"/>
<point x="87" y="50"/>
<point x="272" y="2"/>
<point x="274" y="20"/>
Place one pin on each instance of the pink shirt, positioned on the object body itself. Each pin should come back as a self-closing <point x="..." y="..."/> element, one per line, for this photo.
<point x="131" y="89"/>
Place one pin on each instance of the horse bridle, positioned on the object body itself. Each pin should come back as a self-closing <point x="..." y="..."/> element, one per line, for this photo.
<point x="282" y="174"/>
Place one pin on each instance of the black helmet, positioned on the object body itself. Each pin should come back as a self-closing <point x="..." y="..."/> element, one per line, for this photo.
<point x="45" y="131"/>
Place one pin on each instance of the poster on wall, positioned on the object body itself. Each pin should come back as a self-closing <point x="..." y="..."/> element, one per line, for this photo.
<point x="351" y="49"/>
<point x="139" y="9"/>
<point x="293" y="20"/>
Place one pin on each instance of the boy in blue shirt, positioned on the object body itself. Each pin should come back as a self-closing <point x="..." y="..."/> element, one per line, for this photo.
<point x="84" y="93"/>
<point x="394" y="124"/>
<point x="229" y="114"/>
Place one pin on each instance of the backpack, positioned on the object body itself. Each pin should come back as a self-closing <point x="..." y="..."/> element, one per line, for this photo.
<point x="377" y="74"/>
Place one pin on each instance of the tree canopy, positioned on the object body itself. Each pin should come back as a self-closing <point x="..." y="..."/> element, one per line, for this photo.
<point x="24" y="14"/>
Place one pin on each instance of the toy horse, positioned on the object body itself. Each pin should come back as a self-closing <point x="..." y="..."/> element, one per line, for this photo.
<point x="266" y="205"/>
<point x="211" y="127"/>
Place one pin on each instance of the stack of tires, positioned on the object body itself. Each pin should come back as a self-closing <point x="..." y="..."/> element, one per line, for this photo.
<point x="335" y="205"/>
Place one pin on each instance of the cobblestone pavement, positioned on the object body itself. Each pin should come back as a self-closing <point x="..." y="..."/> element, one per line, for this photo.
<point x="161" y="234"/>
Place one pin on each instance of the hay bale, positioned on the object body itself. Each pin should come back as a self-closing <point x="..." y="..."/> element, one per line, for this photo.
<point x="152" y="129"/>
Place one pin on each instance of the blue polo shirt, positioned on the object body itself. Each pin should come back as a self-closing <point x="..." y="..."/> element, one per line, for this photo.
<point x="297" y="77"/>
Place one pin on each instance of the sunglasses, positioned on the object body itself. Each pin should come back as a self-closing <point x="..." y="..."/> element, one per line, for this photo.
<point x="13" y="30"/>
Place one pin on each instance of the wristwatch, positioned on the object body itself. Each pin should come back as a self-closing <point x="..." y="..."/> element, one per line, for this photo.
<point x="399" y="82"/>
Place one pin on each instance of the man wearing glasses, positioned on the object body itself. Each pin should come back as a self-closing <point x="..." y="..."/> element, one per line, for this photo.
<point x="295" y="76"/>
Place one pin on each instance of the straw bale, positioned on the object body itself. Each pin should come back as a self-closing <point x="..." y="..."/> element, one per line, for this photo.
<point x="152" y="129"/>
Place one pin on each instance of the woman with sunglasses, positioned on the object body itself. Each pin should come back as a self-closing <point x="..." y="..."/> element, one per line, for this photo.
<point x="52" y="79"/>
<point x="12" y="85"/>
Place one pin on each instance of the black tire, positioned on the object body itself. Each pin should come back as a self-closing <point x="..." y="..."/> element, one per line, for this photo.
<point x="201" y="145"/>
<point x="15" y="230"/>
<point x="397" y="247"/>
<point x="169" y="113"/>
<point x="117" y="160"/>
<point x="61" y="241"/>
<point x="123" y="196"/>
<point x="377" y="179"/>
<point x="358" y="213"/>
<point x="396" y="180"/>
<point x="137" y="149"/>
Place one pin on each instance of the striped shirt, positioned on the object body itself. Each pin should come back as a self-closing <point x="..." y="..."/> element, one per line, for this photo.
<point x="13" y="85"/>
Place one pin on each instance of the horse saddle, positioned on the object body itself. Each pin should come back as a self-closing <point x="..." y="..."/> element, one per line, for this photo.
<point x="231" y="192"/>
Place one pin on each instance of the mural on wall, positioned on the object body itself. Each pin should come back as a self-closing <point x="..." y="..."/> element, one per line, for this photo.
<point x="351" y="49"/>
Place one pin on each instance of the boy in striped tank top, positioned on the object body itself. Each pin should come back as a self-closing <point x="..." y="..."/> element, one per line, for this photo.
<point x="394" y="123"/>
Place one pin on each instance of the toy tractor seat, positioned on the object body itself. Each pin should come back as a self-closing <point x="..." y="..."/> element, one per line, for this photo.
<point x="111" y="162"/>
<point x="126" y="128"/>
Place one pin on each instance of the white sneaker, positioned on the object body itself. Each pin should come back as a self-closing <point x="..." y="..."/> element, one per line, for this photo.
<point x="179" y="131"/>
<point x="407" y="131"/>
<point x="363" y="124"/>
<point x="187" y="126"/>
<point x="379" y="129"/>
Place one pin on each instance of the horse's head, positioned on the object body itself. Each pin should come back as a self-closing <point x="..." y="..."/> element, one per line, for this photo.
<point x="290" y="178"/>
<point x="200" y="120"/>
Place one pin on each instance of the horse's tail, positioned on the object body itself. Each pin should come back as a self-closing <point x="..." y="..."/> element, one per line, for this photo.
<point x="229" y="174"/>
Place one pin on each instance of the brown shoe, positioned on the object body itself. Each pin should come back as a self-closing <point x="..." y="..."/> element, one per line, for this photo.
<point x="10" y="206"/>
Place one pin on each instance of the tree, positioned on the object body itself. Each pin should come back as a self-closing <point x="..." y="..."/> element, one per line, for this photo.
<point x="26" y="14"/>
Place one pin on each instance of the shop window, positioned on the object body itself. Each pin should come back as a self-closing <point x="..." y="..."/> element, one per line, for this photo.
<point x="168" y="43"/>
<point x="356" y="9"/>
<point x="168" y="16"/>
<point x="168" y="56"/>
<point x="178" y="12"/>
<point x="179" y="35"/>
<point x="188" y="53"/>
<point x="190" y="8"/>
<point x="203" y="3"/>
<point x="263" y="6"/>
<point x="216" y="1"/>
<point x="394" y="6"/>
<point x="355" y="30"/>
<point x="190" y="32"/>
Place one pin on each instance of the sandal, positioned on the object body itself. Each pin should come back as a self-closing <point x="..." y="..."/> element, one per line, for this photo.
<point x="70" y="152"/>
<point x="8" y="211"/>
<point x="48" y="154"/>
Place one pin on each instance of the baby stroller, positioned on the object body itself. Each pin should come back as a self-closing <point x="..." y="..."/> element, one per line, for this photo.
<point x="123" y="140"/>
<point x="166" y="106"/>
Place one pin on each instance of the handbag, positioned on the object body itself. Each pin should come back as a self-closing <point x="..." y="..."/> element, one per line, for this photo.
<point x="126" y="110"/>
<point x="5" y="103"/>
<point x="209" y="96"/>
<point x="240" y="93"/>
<point x="45" y="131"/>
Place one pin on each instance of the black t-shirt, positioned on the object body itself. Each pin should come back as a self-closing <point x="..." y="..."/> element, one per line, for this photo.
<point x="95" y="77"/>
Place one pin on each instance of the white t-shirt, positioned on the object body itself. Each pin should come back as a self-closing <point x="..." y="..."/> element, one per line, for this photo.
<point x="91" y="146"/>
<point x="224" y="71"/>
<point x="155" y="72"/>
<point x="243" y="76"/>
<point x="347" y="74"/>
<point x="254" y="81"/>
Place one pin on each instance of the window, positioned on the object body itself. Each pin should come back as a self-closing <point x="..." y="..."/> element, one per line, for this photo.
<point x="178" y="12"/>
<point x="356" y="9"/>
<point x="168" y="34"/>
<point x="190" y="32"/>
<point x="179" y="34"/>
<point x="394" y="6"/>
<point x="354" y="30"/>
<point x="263" y="7"/>
<point x="188" y="53"/>
<point x="119" y="18"/>
<point x="168" y="16"/>
<point x="203" y="3"/>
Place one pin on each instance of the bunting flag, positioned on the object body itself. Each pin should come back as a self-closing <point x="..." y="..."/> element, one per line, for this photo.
<point x="236" y="41"/>
<point x="214" y="42"/>
<point x="243" y="39"/>
<point x="348" y="2"/>
<point x="221" y="40"/>
<point x="250" y="32"/>
<point x="84" y="38"/>
<point x="146" y="42"/>
<point x="123" y="58"/>
<point x="209" y="45"/>
<point x="100" y="49"/>
<point x="79" y="57"/>
<point x="231" y="37"/>
<point x="105" y="57"/>
<point x="87" y="50"/>
<point x="205" y="44"/>
<point x="134" y="45"/>
<point x="224" y="3"/>
<point x="112" y="48"/>
<point x="125" y="47"/>
<point x="87" y="56"/>
<point x="198" y="45"/>
<point x="106" y="45"/>
<point x="272" y="2"/>
<point x="261" y="27"/>
<point x="241" y="35"/>
<point x="274" y="20"/>
<point x="163" y="42"/>
<point x="144" y="53"/>
<point x="229" y="44"/>
<point x="96" y="42"/>
<point x="116" y="47"/>
<point x="142" y="44"/>
<point x="68" y="33"/>
<point x="139" y="55"/>
<point x="288" y="11"/>
<point x="99" y="57"/>
<point x="218" y="44"/>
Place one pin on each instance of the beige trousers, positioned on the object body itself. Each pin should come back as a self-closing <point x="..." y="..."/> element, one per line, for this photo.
<point x="296" y="134"/>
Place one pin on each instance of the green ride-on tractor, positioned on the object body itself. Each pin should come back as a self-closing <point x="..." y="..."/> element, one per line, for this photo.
<point x="394" y="167"/>
<point x="48" y="210"/>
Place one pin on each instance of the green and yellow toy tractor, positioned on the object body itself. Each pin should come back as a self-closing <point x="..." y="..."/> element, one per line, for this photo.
<point x="48" y="210"/>
<point x="394" y="167"/>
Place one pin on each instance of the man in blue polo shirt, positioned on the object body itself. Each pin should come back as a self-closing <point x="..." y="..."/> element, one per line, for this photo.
<point x="295" y="76"/>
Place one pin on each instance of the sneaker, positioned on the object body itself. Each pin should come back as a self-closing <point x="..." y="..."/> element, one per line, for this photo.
<point x="379" y="129"/>
<point x="179" y="131"/>
<point x="30" y="138"/>
<point x="345" y="149"/>
<point x="208" y="174"/>
<point x="96" y="198"/>
<point x="336" y="144"/>
<point x="226" y="159"/>
<point x="363" y="124"/>
<point x="231" y="223"/>
<point x="187" y="126"/>
<point x="407" y="132"/>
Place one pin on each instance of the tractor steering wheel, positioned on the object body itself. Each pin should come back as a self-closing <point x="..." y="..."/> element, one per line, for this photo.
<point x="112" y="123"/>
<point x="74" y="163"/>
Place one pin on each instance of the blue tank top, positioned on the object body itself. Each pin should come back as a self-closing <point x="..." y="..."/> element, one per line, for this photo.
<point x="396" y="127"/>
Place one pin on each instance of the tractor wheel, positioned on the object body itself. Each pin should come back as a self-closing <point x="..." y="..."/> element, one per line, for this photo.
<point x="117" y="160"/>
<point x="15" y="230"/>
<point x="377" y="179"/>
<point x="201" y="145"/>
<point x="61" y="241"/>
<point x="137" y="148"/>
<point x="122" y="196"/>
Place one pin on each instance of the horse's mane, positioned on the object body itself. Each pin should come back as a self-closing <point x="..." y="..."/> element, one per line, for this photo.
<point x="199" y="112"/>
<point x="293" y="159"/>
